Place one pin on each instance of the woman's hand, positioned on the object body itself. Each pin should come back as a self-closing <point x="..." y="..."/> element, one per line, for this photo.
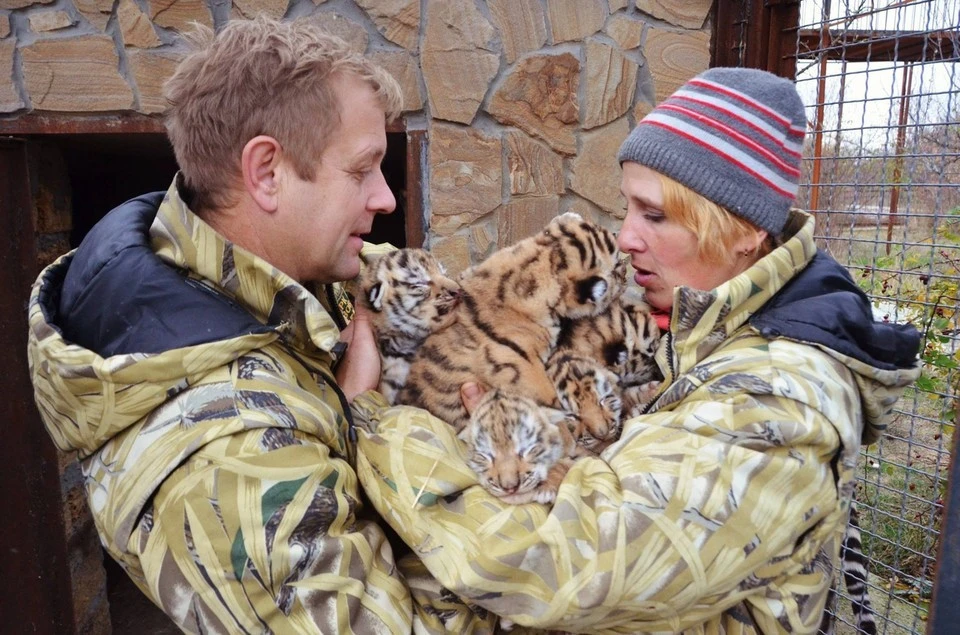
<point x="359" y="370"/>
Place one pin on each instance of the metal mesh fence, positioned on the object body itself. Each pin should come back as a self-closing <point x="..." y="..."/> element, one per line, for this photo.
<point x="880" y="79"/>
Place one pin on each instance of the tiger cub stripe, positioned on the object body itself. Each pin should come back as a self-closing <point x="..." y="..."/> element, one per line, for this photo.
<point x="591" y="393"/>
<point x="623" y="337"/>
<point x="510" y="315"/>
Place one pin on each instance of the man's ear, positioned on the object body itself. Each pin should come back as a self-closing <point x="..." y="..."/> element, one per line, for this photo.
<point x="260" y="166"/>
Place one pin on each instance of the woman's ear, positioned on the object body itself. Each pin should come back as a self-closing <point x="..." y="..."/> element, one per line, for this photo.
<point x="260" y="164"/>
<point x="750" y="243"/>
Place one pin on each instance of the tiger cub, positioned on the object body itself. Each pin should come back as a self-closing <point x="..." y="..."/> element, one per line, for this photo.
<point x="409" y="296"/>
<point x="510" y="315"/>
<point x="624" y="338"/>
<point x="591" y="393"/>
<point x="520" y="450"/>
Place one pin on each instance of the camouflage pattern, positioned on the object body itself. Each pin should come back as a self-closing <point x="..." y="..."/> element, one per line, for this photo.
<point x="221" y="475"/>
<point x="721" y="510"/>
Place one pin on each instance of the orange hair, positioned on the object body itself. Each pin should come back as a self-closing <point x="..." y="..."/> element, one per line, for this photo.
<point x="716" y="228"/>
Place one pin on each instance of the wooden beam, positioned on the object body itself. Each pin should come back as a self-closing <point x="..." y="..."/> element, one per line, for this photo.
<point x="756" y="34"/>
<point x="880" y="46"/>
<point x="44" y="123"/>
<point x="35" y="590"/>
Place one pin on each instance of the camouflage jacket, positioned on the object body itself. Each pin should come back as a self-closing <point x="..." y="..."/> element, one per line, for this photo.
<point x="720" y="510"/>
<point x="195" y="382"/>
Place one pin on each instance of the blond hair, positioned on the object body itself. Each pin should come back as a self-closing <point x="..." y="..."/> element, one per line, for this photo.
<point x="259" y="77"/>
<point x="716" y="228"/>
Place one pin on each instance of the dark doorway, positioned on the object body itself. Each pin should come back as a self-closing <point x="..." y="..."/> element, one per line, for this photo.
<point x="107" y="169"/>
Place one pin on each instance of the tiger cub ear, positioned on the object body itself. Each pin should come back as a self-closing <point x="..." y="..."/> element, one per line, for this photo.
<point x="375" y="296"/>
<point x="592" y="289"/>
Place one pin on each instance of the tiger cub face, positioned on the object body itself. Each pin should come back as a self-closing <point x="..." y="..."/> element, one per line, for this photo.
<point x="584" y="259"/>
<point x="517" y="447"/>
<point x="591" y="393"/>
<point x="409" y="296"/>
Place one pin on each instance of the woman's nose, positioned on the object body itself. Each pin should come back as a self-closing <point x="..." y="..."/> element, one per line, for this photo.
<point x="629" y="239"/>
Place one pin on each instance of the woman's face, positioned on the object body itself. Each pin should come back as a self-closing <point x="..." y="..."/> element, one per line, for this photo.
<point x="663" y="253"/>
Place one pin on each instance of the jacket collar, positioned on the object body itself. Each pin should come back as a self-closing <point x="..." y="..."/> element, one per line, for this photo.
<point x="184" y="240"/>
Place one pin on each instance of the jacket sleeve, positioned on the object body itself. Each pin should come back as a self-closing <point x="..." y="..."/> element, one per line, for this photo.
<point x="693" y="510"/>
<point x="259" y="531"/>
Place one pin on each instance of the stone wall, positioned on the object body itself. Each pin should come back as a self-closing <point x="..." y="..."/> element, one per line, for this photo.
<point x="525" y="101"/>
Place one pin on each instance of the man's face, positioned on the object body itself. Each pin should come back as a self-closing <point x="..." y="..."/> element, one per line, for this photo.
<point x="324" y="219"/>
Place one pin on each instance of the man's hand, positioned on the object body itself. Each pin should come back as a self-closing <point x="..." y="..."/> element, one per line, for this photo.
<point x="359" y="370"/>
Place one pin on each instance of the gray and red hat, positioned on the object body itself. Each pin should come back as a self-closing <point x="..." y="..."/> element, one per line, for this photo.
<point x="733" y="135"/>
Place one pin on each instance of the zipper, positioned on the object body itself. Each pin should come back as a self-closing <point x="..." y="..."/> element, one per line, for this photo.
<point x="334" y="307"/>
<point x="344" y="404"/>
<point x="666" y="380"/>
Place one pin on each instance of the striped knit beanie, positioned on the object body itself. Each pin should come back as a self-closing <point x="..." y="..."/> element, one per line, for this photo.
<point x="733" y="135"/>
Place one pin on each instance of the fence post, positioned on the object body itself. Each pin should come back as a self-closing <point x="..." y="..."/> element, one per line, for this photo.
<point x="945" y="614"/>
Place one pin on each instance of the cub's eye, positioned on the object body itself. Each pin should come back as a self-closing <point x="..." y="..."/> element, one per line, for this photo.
<point x="532" y="452"/>
<point x="478" y="458"/>
<point x="418" y="289"/>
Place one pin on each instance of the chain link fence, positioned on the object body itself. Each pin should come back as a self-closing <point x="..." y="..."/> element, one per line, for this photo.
<point x="881" y="79"/>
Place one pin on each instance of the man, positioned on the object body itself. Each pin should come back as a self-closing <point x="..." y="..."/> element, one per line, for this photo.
<point x="192" y="349"/>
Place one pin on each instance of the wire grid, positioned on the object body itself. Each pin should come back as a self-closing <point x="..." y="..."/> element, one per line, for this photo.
<point x="880" y="80"/>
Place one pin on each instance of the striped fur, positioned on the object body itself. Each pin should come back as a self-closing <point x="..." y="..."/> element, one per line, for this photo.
<point x="519" y="450"/>
<point x="591" y="393"/>
<point x="853" y="564"/>
<point x="624" y="338"/>
<point x="510" y="314"/>
<point x="409" y="296"/>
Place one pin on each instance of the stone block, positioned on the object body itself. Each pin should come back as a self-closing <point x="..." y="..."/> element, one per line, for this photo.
<point x="625" y="30"/>
<point x="150" y="69"/>
<point x="674" y="57"/>
<point x="403" y="67"/>
<point x="595" y="171"/>
<point x="9" y="97"/>
<point x="178" y="14"/>
<point x="592" y="213"/>
<point x="397" y="20"/>
<point x="483" y="239"/>
<point x="612" y="79"/>
<point x="453" y="252"/>
<point x="465" y="176"/>
<point x="616" y="5"/>
<point x="457" y="60"/>
<point x="4" y="26"/>
<point x="344" y="28"/>
<point x="96" y="12"/>
<point x="78" y="74"/>
<point x="135" y="26"/>
<point x="689" y="14"/>
<point x="539" y="96"/>
<point x="524" y="217"/>
<point x="574" y="20"/>
<point x="19" y="4"/>
<point x="251" y="8"/>
<point x="522" y="25"/>
<point x="49" y="21"/>
<point x="641" y="110"/>
<point x="534" y="168"/>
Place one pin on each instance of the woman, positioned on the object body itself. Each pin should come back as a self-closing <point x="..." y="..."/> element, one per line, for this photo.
<point x="721" y="508"/>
